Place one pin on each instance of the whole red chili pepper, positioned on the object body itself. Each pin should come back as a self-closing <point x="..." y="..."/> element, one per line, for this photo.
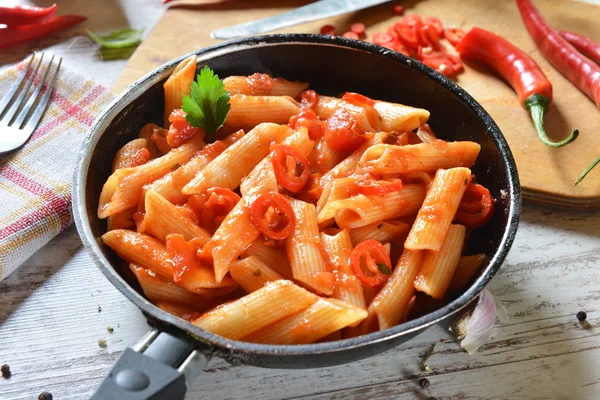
<point x="520" y="70"/>
<point x="580" y="70"/>
<point x="14" y="35"/>
<point x="25" y="15"/>
<point x="584" y="44"/>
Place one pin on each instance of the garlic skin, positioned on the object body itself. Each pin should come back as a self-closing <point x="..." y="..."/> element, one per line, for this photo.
<point x="475" y="326"/>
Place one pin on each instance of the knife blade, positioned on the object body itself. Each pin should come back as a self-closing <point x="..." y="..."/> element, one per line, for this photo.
<point x="311" y="12"/>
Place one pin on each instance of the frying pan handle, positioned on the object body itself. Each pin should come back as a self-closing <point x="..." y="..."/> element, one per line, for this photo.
<point x="156" y="368"/>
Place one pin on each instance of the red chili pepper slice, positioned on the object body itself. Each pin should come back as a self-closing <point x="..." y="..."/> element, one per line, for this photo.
<point x="273" y="215"/>
<point x="328" y="30"/>
<point x="454" y="35"/>
<point x="308" y="118"/>
<point x="212" y="208"/>
<point x="382" y="39"/>
<point x="476" y="207"/>
<point x="292" y="168"/>
<point x="407" y="34"/>
<point x="25" y="15"/>
<point x="374" y="186"/>
<point x="351" y="35"/>
<point x="14" y="35"/>
<point x="398" y="9"/>
<point x="180" y="130"/>
<point x="358" y="28"/>
<point x="342" y="132"/>
<point x="371" y="263"/>
<point x="358" y="99"/>
<point x="441" y="64"/>
<point x="437" y="25"/>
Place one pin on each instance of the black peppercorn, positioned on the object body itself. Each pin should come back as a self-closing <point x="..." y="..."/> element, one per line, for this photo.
<point x="5" y="371"/>
<point x="581" y="315"/>
<point x="45" y="396"/>
<point x="424" y="382"/>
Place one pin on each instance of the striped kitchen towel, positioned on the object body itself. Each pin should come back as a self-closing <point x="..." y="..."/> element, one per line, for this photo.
<point x="35" y="181"/>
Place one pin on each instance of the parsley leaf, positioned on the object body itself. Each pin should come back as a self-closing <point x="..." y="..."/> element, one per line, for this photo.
<point x="208" y="103"/>
<point x="119" y="39"/>
<point x="384" y="269"/>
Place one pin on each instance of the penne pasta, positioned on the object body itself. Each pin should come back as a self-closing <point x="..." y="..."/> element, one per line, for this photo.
<point x="263" y="85"/>
<point x="323" y="158"/>
<point x="249" y="111"/>
<point x="400" y="118"/>
<point x="146" y="133"/>
<point x="121" y="220"/>
<point x="348" y="288"/>
<point x="426" y="134"/>
<point x="163" y="218"/>
<point x="438" y="267"/>
<point x="124" y="187"/>
<point x="163" y="186"/>
<point x="252" y="274"/>
<point x="178" y="86"/>
<point x="229" y="168"/>
<point x="361" y="210"/>
<point x="247" y="315"/>
<point x="338" y="189"/>
<point x="428" y="157"/>
<point x="436" y="214"/>
<point x="466" y="269"/>
<point x="391" y="303"/>
<point x="366" y="116"/>
<point x="125" y="156"/>
<point x="272" y="256"/>
<point x="385" y="231"/>
<point x="304" y="250"/>
<point x="187" y="313"/>
<point x="322" y="318"/>
<point x="143" y="250"/>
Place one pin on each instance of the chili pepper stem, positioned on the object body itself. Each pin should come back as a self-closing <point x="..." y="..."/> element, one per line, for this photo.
<point x="587" y="170"/>
<point x="537" y="105"/>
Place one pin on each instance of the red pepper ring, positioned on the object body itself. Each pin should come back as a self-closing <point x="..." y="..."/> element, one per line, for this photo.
<point x="476" y="207"/>
<point x="292" y="168"/>
<point x="454" y="35"/>
<point x="407" y="34"/>
<point x="273" y="215"/>
<point x="436" y="23"/>
<point x="383" y="39"/>
<point x="374" y="186"/>
<point x="377" y="265"/>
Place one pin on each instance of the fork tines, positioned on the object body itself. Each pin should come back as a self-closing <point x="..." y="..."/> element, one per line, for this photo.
<point x="24" y="104"/>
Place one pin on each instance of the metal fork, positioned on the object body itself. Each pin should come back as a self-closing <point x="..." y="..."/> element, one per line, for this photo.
<point x="18" y="119"/>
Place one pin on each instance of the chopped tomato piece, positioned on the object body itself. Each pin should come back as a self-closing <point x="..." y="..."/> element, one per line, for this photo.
<point x="308" y="118"/>
<point x="308" y="99"/>
<point x="212" y="208"/>
<point x="382" y="186"/>
<point x="182" y="254"/>
<point x="141" y="157"/>
<point x="273" y="215"/>
<point x="476" y="207"/>
<point x="291" y="168"/>
<point x="454" y="35"/>
<point x="328" y="30"/>
<point x="312" y="190"/>
<point x="358" y="99"/>
<point x="371" y="263"/>
<point x="180" y="130"/>
<point x="342" y="132"/>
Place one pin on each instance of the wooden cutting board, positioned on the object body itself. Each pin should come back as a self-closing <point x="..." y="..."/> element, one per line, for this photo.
<point x="547" y="175"/>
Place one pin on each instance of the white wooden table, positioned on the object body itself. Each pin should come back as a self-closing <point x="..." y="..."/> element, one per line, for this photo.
<point x="57" y="305"/>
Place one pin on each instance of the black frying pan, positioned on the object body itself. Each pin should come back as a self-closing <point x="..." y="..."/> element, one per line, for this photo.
<point x="332" y="65"/>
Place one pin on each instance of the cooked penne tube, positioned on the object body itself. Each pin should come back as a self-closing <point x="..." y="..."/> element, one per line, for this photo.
<point x="313" y="323"/>
<point x="163" y="218"/>
<point x="123" y="188"/>
<point x="183" y="312"/>
<point x="348" y="165"/>
<point x="247" y="315"/>
<point x="156" y="288"/>
<point x="165" y="187"/>
<point x="467" y="267"/>
<point x="426" y="134"/>
<point x="361" y="210"/>
<point x="159" y="137"/>
<point x="391" y="302"/>
<point x="438" y="267"/>
<point x="400" y="118"/>
<point x="146" y="133"/>
<point x="367" y="117"/>
<point x="249" y="111"/>
<point x="263" y="85"/>
<point x="238" y="160"/>
<point x="385" y="231"/>
<point x="338" y="189"/>
<point x="428" y="157"/>
<point x="303" y="250"/>
<point x="252" y="274"/>
<point x="275" y="258"/>
<point x="121" y="220"/>
<point x="137" y="248"/>
<point x="323" y="158"/>
<point x="348" y="288"/>
<point x="125" y="156"/>
<point x="263" y="175"/>
<point x="436" y="214"/>
<point x="178" y="85"/>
